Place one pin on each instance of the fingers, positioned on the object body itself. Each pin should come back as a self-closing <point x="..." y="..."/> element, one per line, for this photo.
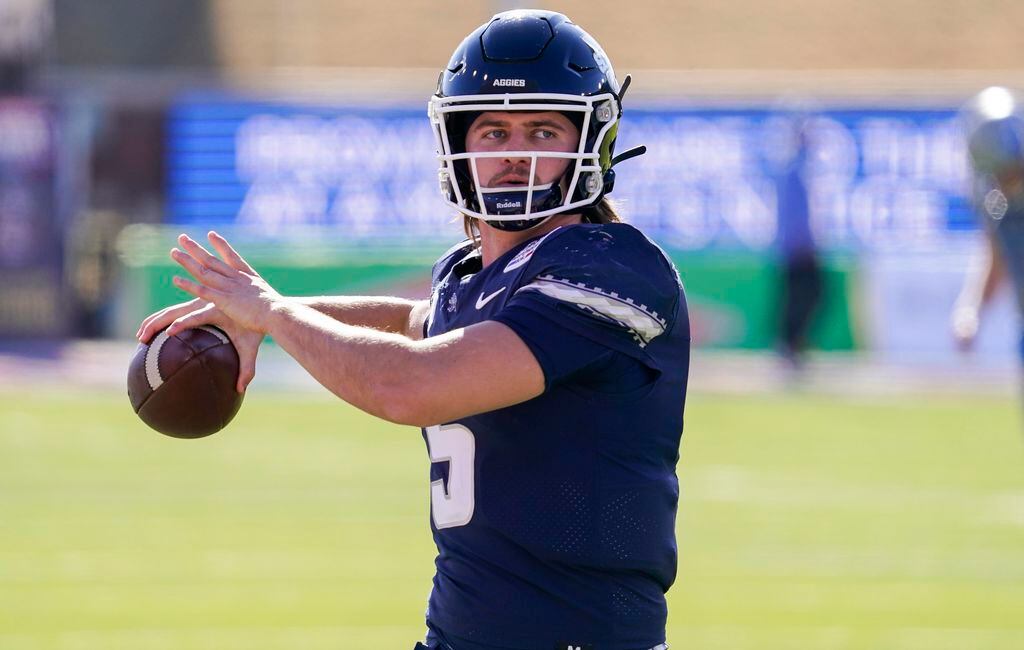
<point x="248" y="344"/>
<point x="204" y="316"/>
<point x="965" y="323"/>
<point x="198" y="290"/>
<point x="225" y="250"/>
<point x="246" y="373"/>
<point x="203" y="256"/>
<point x="205" y="274"/>
<point x="244" y="378"/>
<point x="161" y="319"/>
<point x="964" y="341"/>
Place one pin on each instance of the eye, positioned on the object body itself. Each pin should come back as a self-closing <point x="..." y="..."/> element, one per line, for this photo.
<point x="494" y="134"/>
<point x="544" y="134"/>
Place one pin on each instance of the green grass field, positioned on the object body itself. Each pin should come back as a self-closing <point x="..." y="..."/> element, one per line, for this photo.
<point x="806" y="523"/>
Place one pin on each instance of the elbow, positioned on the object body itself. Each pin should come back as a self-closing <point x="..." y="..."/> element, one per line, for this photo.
<point x="406" y="404"/>
<point x="406" y="390"/>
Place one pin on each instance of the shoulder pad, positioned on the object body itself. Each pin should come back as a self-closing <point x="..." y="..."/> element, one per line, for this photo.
<point x="448" y="259"/>
<point x="601" y="251"/>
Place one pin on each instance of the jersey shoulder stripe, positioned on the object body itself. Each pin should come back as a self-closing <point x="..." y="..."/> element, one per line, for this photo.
<point x="644" y="324"/>
<point x="608" y="272"/>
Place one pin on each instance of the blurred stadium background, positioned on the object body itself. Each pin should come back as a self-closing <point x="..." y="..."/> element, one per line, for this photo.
<point x="874" y="501"/>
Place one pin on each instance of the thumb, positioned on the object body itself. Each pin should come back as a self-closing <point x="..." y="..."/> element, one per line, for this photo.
<point x="247" y="347"/>
<point x="246" y="372"/>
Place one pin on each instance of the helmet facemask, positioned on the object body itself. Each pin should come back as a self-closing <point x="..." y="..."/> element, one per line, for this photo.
<point x="523" y="206"/>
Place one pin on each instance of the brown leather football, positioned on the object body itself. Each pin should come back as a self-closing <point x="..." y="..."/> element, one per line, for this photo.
<point x="184" y="385"/>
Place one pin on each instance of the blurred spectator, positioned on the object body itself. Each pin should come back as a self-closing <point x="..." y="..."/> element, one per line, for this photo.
<point x="801" y="277"/>
<point x="30" y="248"/>
<point x="126" y="176"/>
<point x="25" y="29"/>
<point x="994" y="123"/>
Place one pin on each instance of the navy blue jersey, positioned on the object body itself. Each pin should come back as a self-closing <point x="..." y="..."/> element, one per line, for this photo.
<point x="1003" y="218"/>
<point x="554" y="519"/>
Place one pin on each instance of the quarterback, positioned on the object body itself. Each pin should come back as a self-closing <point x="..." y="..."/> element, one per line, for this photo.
<point x="547" y="370"/>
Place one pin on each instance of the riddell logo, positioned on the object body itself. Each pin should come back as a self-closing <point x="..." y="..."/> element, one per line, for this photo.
<point x="514" y="83"/>
<point x="508" y="204"/>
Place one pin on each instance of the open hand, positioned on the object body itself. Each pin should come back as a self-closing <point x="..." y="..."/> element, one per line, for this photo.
<point x="202" y="311"/>
<point x="964" y="324"/>
<point x="230" y="284"/>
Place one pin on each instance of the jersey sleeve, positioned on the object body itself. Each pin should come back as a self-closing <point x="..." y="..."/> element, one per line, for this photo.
<point x="593" y="290"/>
<point x="440" y="270"/>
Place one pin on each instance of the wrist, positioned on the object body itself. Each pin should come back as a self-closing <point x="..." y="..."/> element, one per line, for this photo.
<point x="281" y="308"/>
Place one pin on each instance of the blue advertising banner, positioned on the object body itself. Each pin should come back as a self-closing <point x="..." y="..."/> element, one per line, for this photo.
<point x="875" y="178"/>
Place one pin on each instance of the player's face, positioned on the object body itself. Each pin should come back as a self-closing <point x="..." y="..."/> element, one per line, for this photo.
<point x="521" y="131"/>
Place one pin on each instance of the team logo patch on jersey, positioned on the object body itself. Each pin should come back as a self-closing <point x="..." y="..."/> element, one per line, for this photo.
<point x="996" y="204"/>
<point x="523" y="256"/>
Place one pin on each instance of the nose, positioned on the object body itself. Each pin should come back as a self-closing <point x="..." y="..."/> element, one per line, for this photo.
<point x="516" y="161"/>
<point x="516" y="142"/>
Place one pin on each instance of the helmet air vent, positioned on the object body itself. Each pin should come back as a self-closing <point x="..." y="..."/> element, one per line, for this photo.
<point x="516" y="37"/>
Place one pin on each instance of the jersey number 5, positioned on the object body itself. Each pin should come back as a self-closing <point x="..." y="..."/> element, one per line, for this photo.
<point x="456" y="445"/>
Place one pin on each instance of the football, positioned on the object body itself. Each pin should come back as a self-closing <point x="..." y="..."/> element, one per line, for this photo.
<point x="184" y="385"/>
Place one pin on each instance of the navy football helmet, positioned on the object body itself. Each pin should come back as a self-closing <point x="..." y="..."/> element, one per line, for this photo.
<point x="527" y="60"/>
<point x="995" y="132"/>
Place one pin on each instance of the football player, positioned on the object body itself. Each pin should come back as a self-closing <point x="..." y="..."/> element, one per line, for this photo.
<point x="548" y="370"/>
<point x="994" y="124"/>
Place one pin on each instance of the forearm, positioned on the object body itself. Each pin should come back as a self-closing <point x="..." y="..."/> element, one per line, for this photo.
<point x="370" y="369"/>
<point x="385" y="314"/>
<point x="462" y="372"/>
<point x="994" y="277"/>
<point x="984" y="275"/>
<point x="390" y="372"/>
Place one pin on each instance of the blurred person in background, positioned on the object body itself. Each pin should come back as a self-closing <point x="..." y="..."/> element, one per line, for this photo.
<point x="548" y="369"/>
<point x="25" y="29"/>
<point x="126" y="175"/>
<point x="994" y="127"/>
<point x="31" y="292"/>
<point x="800" y="284"/>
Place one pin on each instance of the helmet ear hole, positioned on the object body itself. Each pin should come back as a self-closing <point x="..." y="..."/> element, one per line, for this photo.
<point x="608" y="181"/>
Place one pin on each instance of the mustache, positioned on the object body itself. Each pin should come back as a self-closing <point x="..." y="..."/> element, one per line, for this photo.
<point x="512" y="173"/>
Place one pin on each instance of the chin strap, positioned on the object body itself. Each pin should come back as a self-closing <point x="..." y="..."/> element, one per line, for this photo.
<point x="623" y="87"/>
<point x="609" y="174"/>
<point x="629" y="153"/>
